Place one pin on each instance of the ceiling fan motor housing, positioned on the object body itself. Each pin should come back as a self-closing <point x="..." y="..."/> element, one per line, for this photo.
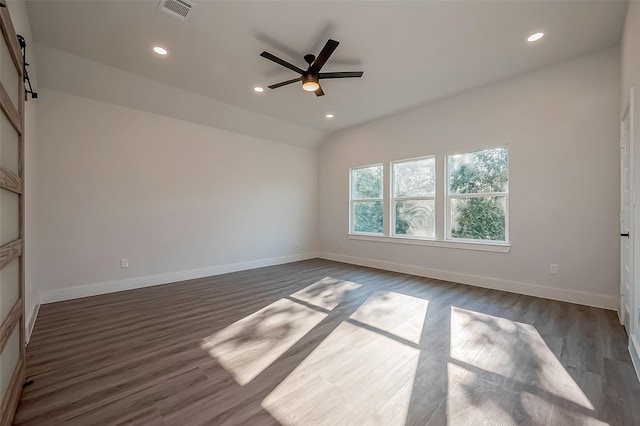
<point x="307" y="77"/>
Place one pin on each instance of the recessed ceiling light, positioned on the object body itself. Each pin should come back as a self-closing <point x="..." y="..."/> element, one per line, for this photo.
<point x="258" y="89"/>
<point x="535" y="37"/>
<point x="329" y="115"/>
<point x="160" y="50"/>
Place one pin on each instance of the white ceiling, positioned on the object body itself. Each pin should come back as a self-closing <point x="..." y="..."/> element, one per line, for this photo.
<point x="411" y="52"/>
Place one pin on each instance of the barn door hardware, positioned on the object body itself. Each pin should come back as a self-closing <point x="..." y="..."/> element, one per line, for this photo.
<point x="27" y="80"/>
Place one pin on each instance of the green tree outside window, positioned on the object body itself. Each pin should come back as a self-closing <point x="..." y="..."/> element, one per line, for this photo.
<point x="366" y="195"/>
<point x="485" y="174"/>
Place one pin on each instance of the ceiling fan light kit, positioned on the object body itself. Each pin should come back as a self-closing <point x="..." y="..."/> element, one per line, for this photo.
<point x="311" y="77"/>
<point x="310" y="85"/>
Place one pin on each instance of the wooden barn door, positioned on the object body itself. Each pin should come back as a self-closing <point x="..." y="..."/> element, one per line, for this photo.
<point x="12" y="347"/>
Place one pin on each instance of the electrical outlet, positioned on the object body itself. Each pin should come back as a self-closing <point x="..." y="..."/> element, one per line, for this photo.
<point x="124" y="263"/>
<point x="554" y="269"/>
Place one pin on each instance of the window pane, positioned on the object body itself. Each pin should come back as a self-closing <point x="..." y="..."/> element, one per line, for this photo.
<point x="9" y="287"/>
<point x="367" y="182"/>
<point x="367" y="216"/>
<point x="9" y="216"/>
<point x="414" y="178"/>
<point x="478" y="218"/>
<point x="8" y="73"/>
<point x="478" y="172"/>
<point x="9" y="145"/>
<point x="415" y="218"/>
<point x="9" y="358"/>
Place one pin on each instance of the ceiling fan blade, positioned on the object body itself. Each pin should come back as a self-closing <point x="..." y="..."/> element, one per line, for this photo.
<point x="327" y="50"/>
<point x="319" y="92"/>
<point x="284" y="83"/>
<point x="348" y="74"/>
<point x="281" y="62"/>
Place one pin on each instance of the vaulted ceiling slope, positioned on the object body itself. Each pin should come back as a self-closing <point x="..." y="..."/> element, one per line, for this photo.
<point x="411" y="52"/>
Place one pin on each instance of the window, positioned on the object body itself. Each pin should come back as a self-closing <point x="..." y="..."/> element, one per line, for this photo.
<point x="413" y="192"/>
<point x="366" y="200"/>
<point x="470" y="205"/>
<point x="477" y="195"/>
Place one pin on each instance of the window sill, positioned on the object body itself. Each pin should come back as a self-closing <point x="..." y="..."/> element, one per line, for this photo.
<point x="463" y="245"/>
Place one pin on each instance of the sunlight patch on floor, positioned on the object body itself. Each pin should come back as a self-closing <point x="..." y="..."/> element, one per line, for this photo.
<point x="246" y="347"/>
<point x="471" y="400"/>
<point x="561" y="415"/>
<point x="395" y="313"/>
<point x="357" y="375"/>
<point x="326" y="293"/>
<point x="476" y="398"/>
<point x="491" y="349"/>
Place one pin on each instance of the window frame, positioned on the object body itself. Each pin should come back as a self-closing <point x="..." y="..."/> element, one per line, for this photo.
<point x="393" y="199"/>
<point x="352" y="201"/>
<point x="448" y="197"/>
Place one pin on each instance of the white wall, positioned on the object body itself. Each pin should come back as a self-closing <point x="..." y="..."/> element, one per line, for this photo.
<point x="169" y="195"/>
<point x="630" y="72"/>
<point x="20" y="20"/>
<point x="78" y="76"/>
<point x="561" y="125"/>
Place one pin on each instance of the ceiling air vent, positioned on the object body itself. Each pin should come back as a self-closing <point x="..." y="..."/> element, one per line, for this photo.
<point x="177" y="8"/>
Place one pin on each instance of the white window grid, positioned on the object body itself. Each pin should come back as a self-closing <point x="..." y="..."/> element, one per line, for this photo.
<point x="449" y="196"/>
<point x="353" y="201"/>
<point x="394" y="199"/>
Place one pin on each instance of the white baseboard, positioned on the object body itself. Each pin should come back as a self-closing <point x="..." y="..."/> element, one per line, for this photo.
<point x="31" y="322"/>
<point x="634" y="351"/>
<point x="563" y="295"/>
<point x="572" y="296"/>
<point x="105" y="287"/>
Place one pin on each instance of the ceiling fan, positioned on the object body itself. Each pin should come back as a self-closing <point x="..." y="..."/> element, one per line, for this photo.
<point x="312" y="76"/>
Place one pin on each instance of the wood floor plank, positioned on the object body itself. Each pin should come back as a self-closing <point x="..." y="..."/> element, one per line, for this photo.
<point x="326" y="343"/>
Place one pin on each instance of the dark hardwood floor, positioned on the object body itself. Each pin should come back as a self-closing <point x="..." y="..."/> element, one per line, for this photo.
<point x="320" y="342"/>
